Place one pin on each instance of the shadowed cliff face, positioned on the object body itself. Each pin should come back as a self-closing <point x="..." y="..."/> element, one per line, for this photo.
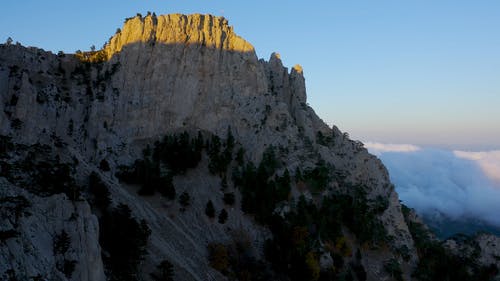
<point x="171" y="86"/>
<point x="200" y="75"/>
<point x="166" y="74"/>
<point x="194" y="71"/>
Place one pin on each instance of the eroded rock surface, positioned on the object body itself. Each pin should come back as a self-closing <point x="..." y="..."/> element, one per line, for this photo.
<point x="160" y="75"/>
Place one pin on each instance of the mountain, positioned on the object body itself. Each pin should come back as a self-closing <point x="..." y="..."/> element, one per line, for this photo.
<point x="175" y="152"/>
<point x="444" y="226"/>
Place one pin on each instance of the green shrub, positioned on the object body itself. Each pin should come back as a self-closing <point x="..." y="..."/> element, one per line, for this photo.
<point x="104" y="166"/>
<point x="437" y="263"/>
<point x="178" y="152"/>
<point x="236" y="261"/>
<point x="6" y="146"/>
<point x="218" y="257"/>
<point x="184" y="199"/>
<point x="165" y="271"/>
<point x="220" y="154"/>
<point x="229" y="198"/>
<point x="67" y="267"/>
<point x="393" y="268"/>
<point x="100" y="192"/>
<point x="37" y="169"/>
<point x="124" y="239"/>
<point x="261" y="189"/>
<point x="240" y="156"/>
<point x="8" y="234"/>
<point x="209" y="209"/>
<point x="15" y="206"/>
<point x="61" y="243"/>
<point x="317" y="179"/>
<point x="223" y="216"/>
<point x="166" y="187"/>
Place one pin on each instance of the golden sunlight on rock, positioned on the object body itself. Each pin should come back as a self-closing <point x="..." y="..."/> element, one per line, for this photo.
<point x="298" y="68"/>
<point x="204" y="30"/>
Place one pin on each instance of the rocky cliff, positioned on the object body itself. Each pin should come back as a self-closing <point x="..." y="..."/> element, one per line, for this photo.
<point x="71" y="125"/>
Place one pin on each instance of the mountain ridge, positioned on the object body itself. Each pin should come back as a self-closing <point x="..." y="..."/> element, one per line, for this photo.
<point x="160" y="76"/>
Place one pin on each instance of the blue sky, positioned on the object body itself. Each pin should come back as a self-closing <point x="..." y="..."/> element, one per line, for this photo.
<point x="421" y="72"/>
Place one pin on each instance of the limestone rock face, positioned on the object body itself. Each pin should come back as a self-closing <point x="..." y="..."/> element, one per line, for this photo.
<point x="156" y="76"/>
<point x="176" y="29"/>
<point x="30" y="252"/>
<point x="490" y="251"/>
<point x="162" y="74"/>
<point x="484" y="246"/>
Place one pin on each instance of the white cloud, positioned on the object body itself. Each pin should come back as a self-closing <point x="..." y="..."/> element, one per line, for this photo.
<point x="489" y="161"/>
<point x="457" y="184"/>
<point x="379" y="148"/>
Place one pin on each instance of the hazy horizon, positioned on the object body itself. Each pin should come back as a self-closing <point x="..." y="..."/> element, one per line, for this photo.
<point x="472" y="146"/>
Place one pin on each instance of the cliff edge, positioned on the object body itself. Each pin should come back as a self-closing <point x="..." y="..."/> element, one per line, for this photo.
<point x="176" y="142"/>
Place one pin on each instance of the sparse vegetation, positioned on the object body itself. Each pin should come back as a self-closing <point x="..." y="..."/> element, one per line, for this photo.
<point x="61" y="243"/>
<point x="164" y="272"/>
<point x="218" y="257"/>
<point x="260" y="187"/>
<point x="8" y="234"/>
<point x="174" y="155"/>
<point x="220" y="154"/>
<point x="358" y="268"/>
<point x="15" y="207"/>
<point x="122" y="237"/>
<point x="393" y="268"/>
<point x="178" y="152"/>
<point x="101" y="196"/>
<point x="223" y="216"/>
<point x="104" y="165"/>
<point x="92" y="57"/>
<point x="437" y="263"/>
<point x="317" y="178"/>
<point x="67" y="267"/>
<point x="37" y="169"/>
<point x="317" y="231"/>
<point x="229" y="198"/>
<point x="124" y="241"/>
<point x="308" y="223"/>
<point x="6" y="146"/>
<point x="71" y="126"/>
<point x="235" y="260"/>
<point x="210" y="210"/>
<point x="324" y="140"/>
<point x="184" y="200"/>
<point x="16" y="124"/>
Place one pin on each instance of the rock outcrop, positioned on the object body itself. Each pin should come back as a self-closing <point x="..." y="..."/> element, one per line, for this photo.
<point x="157" y="76"/>
<point x="35" y="225"/>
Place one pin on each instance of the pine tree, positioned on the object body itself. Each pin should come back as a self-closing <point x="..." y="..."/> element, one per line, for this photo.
<point x="184" y="199"/>
<point x="223" y="216"/>
<point x="165" y="271"/>
<point x="61" y="243"/>
<point x="210" y="210"/>
<point x="229" y="198"/>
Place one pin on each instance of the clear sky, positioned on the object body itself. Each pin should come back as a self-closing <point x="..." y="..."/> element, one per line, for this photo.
<point x="424" y="72"/>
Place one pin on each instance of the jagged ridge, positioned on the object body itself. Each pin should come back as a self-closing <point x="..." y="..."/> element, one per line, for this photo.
<point x="161" y="75"/>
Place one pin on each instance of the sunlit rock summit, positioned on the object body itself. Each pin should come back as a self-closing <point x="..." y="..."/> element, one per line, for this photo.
<point x="174" y="152"/>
